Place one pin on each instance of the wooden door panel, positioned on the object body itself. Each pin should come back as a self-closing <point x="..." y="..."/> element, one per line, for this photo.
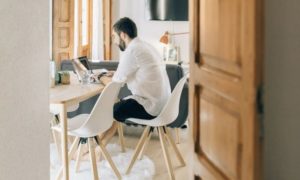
<point x="227" y="67"/>
<point x="222" y="83"/>
<point x="225" y="72"/>
<point x="64" y="37"/>
<point x="64" y="10"/>
<point x="219" y="140"/>
<point x="63" y="55"/>
<point x="63" y="27"/>
<point x="219" y="29"/>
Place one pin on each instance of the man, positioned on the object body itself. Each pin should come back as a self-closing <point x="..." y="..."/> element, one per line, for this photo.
<point x="142" y="68"/>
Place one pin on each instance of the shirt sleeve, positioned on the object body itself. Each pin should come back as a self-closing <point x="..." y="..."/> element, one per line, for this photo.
<point x="127" y="67"/>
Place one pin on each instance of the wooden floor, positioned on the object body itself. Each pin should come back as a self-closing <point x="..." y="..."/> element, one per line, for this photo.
<point x="154" y="152"/>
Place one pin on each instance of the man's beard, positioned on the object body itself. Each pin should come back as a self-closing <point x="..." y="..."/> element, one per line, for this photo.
<point x="122" y="45"/>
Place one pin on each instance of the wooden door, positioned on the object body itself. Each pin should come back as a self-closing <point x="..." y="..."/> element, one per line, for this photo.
<point x="107" y="27"/>
<point x="225" y="74"/>
<point x="85" y="22"/>
<point x="63" y="27"/>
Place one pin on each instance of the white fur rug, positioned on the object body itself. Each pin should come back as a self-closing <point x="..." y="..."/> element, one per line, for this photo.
<point x="142" y="170"/>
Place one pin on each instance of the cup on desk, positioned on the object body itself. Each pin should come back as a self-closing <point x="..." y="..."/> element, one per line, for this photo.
<point x="64" y="77"/>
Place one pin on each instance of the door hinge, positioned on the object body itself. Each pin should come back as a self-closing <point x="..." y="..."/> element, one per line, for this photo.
<point x="260" y="110"/>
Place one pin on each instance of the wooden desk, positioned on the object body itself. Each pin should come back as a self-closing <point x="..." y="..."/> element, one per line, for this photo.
<point x="64" y="96"/>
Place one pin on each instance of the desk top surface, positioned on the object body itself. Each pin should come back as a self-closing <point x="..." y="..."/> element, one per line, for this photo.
<point x="74" y="92"/>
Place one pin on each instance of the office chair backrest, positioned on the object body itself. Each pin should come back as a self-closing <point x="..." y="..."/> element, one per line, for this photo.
<point x="101" y="116"/>
<point x="171" y="109"/>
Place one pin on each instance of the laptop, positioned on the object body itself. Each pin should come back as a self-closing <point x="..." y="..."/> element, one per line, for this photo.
<point x="84" y="60"/>
<point x="81" y="67"/>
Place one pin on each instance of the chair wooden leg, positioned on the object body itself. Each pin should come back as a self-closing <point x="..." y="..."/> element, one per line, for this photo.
<point x="71" y="153"/>
<point x="93" y="158"/>
<point x="177" y="131"/>
<point x="177" y="152"/>
<point x="71" y="139"/>
<point x="108" y="158"/>
<point x="121" y="136"/>
<point x="55" y="139"/>
<point x="138" y="149"/>
<point x="166" y="153"/>
<point x="53" y="122"/>
<point x="143" y="148"/>
<point x="78" y="158"/>
<point x="106" y="136"/>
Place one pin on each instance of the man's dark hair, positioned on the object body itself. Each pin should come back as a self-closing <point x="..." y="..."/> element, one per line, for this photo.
<point x="127" y="26"/>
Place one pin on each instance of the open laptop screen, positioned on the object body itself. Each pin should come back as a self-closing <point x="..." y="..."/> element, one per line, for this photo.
<point x="84" y="61"/>
<point x="80" y="67"/>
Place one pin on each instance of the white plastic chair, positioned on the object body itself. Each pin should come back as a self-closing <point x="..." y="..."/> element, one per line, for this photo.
<point x="99" y="121"/>
<point x="167" y="116"/>
<point x="55" y="110"/>
<point x="76" y="122"/>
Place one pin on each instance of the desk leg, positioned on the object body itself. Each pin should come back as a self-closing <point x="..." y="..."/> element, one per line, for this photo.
<point x="64" y="141"/>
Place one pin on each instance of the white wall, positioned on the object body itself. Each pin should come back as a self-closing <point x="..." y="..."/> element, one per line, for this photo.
<point x="282" y="73"/>
<point x="24" y="58"/>
<point x="151" y="31"/>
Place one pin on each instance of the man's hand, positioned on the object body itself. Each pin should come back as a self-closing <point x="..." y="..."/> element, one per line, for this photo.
<point x="109" y="73"/>
<point x="106" y="78"/>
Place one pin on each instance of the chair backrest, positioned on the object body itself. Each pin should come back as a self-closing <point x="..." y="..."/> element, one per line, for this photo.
<point x="171" y="109"/>
<point x="101" y="116"/>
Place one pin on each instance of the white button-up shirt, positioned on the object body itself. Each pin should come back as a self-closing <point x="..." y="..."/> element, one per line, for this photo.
<point x="142" y="68"/>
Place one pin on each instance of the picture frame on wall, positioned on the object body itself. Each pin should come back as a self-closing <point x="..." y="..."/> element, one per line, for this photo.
<point x="171" y="54"/>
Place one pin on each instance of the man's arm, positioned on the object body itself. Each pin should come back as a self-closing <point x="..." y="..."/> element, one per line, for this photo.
<point x="127" y="66"/>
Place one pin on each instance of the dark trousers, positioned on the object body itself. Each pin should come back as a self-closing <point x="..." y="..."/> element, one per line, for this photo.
<point x="130" y="108"/>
